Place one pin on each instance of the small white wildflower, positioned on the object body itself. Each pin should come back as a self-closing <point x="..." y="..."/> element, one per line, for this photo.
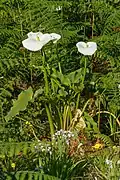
<point x="49" y="148"/>
<point x="92" y="83"/>
<point x="43" y="149"/>
<point x="69" y="135"/>
<point x="65" y="132"/>
<point x="59" y="8"/>
<point x="50" y="152"/>
<point x="61" y="131"/>
<point x="119" y="86"/>
<point x="53" y="138"/>
<point x="58" y="133"/>
<point x="64" y="136"/>
<point x="118" y="162"/>
<point x="67" y="142"/>
<point x="109" y="162"/>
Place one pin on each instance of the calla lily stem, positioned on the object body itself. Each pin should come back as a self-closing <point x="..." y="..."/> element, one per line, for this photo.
<point x="47" y="107"/>
<point x="83" y="79"/>
<point x="85" y="65"/>
<point x="31" y="66"/>
<point x="45" y="75"/>
<point x="50" y="119"/>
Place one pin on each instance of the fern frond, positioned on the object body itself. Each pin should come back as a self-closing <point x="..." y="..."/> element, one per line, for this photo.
<point x="13" y="149"/>
<point x="106" y="139"/>
<point x="112" y="22"/>
<point x="31" y="175"/>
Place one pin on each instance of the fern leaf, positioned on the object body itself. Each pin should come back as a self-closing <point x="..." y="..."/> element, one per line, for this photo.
<point x="92" y="122"/>
<point x="106" y="139"/>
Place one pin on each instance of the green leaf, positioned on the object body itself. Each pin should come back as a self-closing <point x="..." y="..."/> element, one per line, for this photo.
<point x="92" y="122"/>
<point x="21" y="103"/>
<point x="66" y="81"/>
<point x="62" y="92"/>
<point x="23" y="175"/>
<point x="38" y="92"/>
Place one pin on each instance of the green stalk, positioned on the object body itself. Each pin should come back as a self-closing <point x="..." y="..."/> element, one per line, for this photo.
<point x="83" y="79"/>
<point x="111" y="125"/>
<point x="47" y="107"/>
<point x="31" y="66"/>
<point x="46" y="82"/>
<point x="85" y="22"/>
<point x="65" y="116"/>
<point x="45" y="76"/>
<point x="85" y="65"/>
<point x="70" y="118"/>
<point x="85" y="106"/>
<point x="60" y="67"/>
<point x="107" y="112"/>
<point x="92" y="24"/>
<point x="60" y="117"/>
<point x="1" y="108"/>
<point x="72" y="124"/>
<point x="21" y="22"/>
<point x="78" y="99"/>
<point x="50" y="119"/>
<point x="99" y="114"/>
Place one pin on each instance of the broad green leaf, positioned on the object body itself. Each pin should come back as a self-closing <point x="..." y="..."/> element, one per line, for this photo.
<point x="66" y="81"/>
<point x="21" y="103"/>
<point x="71" y="76"/>
<point x="92" y="122"/>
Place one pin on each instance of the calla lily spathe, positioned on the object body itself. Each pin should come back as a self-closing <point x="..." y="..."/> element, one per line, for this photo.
<point x="88" y="48"/>
<point x="36" y="41"/>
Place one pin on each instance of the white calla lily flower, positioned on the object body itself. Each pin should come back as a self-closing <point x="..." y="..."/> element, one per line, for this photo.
<point x="36" y="41"/>
<point x="55" y="37"/>
<point x="88" y="48"/>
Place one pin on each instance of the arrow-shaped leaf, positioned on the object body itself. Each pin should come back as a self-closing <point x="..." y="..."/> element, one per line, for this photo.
<point x="21" y="103"/>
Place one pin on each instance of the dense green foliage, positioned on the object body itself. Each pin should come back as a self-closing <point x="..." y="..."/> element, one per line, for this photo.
<point x="37" y="98"/>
